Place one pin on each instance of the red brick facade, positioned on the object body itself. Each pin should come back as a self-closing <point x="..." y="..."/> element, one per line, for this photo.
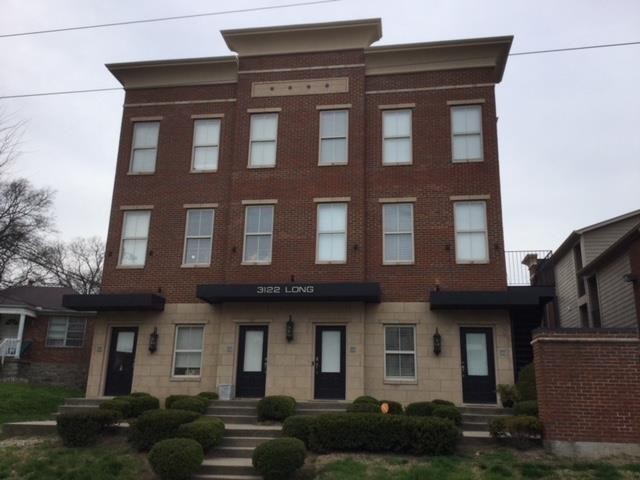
<point x="588" y="385"/>
<point x="297" y="180"/>
<point x="36" y="331"/>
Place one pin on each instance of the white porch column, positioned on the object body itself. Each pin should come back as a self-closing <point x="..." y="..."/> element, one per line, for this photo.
<point x="20" y="332"/>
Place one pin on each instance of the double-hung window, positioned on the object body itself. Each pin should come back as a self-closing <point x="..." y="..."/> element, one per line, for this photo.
<point x="397" y="221"/>
<point x="399" y="352"/>
<point x="258" y="233"/>
<point x="466" y="133"/>
<point x="187" y="360"/>
<point x="334" y="127"/>
<point x="135" y="232"/>
<point x="66" y="332"/>
<point x="264" y="134"/>
<point x="332" y="233"/>
<point x="198" y="237"/>
<point x="471" y="232"/>
<point x="396" y="134"/>
<point x="206" y="144"/>
<point x="144" y="147"/>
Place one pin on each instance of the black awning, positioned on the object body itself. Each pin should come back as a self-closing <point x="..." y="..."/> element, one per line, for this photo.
<point x="114" y="302"/>
<point x="290" y="292"/>
<point x="485" y="300"/>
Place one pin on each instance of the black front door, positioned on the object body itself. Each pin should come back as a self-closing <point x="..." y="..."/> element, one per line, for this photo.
<point x="122" y="354"/>
<point x="252" y="361"/>
<point x="330" y="363"/>
<point x="478" y="372"/>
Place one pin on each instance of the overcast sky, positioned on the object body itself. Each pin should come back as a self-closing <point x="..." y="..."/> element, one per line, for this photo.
<point x="569" y="123"/>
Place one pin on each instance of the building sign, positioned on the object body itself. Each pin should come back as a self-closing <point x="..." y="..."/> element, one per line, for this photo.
<point x="273" y="292"/>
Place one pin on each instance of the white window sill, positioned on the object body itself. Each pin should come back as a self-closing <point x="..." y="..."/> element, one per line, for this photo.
<point x="472" y="262"/>
<point x="398" y="263"/>
<point x="399" y="381"/>
<point x="333" y="164"/>
<point x="195" y="265"/>
<point x="186" y="379"/>
<point x="467" y="160"/>
<point x="129" y="267"/>
<point x="397" y="164"/>
<point x="141" y="173"/>
<point x="329" y="262"/>
<point x="203" y="171"/>
<point x="258" y="167"/>
<point x="255" y="263"/>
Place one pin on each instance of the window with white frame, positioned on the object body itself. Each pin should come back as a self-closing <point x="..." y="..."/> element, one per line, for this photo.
<point x="206" y="144"/>
<point x="187" y="360"/>
<point x="396" y="134"/>
<point x="400" y="352"/>
<point x="66" y="332"/>
<point x="466" y="133"/>
<point x="397" y="221"/>
<point x="264" y="134"/>
<point x="258" y="233"/>
<point x="471" y="232"/>
<point x="332" y="233"/>
<point x="144" y="147"/>
<point x="135" y="232"/>
<point x="198" y="236"/>
<point x="334" y="127"/>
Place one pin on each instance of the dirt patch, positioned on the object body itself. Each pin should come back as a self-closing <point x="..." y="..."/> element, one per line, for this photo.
<point x="23" y="442"/>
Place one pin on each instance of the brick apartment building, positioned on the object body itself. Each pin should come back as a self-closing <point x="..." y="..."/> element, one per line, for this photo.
<point x="313" y="216"/>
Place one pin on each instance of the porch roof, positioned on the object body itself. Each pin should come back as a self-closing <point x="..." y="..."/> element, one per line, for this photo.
<point x="114" y="302"/>
<point x="512" y="297"/>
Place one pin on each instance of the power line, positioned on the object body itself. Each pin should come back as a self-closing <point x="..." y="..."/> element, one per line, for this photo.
<point x="168" y="19"/>
<point x="532" y="52"/>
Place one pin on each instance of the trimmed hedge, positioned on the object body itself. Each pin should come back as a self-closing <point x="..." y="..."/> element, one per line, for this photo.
<point x="439" y="401"/>
<point x="395" y="408"/>
<point x="383" y="433"/>
<point x="526" y="383"/>
<point x="172" y="398"/>
<point x="176" y="458"/>
<point x="82" y="429"/>
<point x="364" y="407"/>
<point x="131" y="406"/>
<point x="155" y="425"/>
<point x="209" y="395"/>
<point x="192" y="404"/>
<point x="276" y="407"/>
<point x="448" y="411"/>
<point x="521" y="431"/>
<point x="120" y="406"/>
<point x="528" y="408"/>
<point x="420" y="409"/>
<point x="207" y="431"/>
<point x="366" y="399"/>
<point x="298" y="426"/>
<point x="278" y="459"/>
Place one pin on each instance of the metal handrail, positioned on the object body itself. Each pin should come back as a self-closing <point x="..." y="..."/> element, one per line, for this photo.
<point x="517" y="272"/>
<point x="8" y="348"/>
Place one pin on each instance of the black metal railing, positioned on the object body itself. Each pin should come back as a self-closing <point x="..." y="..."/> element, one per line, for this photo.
<point x="518" y="273"/>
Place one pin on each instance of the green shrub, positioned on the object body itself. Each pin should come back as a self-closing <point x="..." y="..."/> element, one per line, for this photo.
<point x="276" y="407"/>
<point x="278" y="459"/>
<point x="498" y="427"/>
<point x="176" y="458"/>
<point x="450" y="412"/>
<point x="298" y="426"/>
<point x="366" y="399"/>
<point x="508" y="395"/>
<point x="82" y="429"/>
<point x="172" y="398"/>
<point x="193" y="404"/>
<point x="364" y="407"/>
<point x="527" y="407"/>
<point x="207" y="431"/>
<point x="395" y="408"/>
<point x="122" y="407"/>
<point x="526" y="383"/>
<point x="383" y="433"/>
<point x="420" y="409"/>
<point x="140" y="394"/>
<point x="209" y="395"/>
<point x="439" y="401"/>
<point x="155" y="425"/>
<point x="130" y="406"/>
<point x="520" y="431"/>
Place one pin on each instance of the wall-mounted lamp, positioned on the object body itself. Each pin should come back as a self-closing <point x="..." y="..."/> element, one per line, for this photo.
<point x="437" y="343"/>
<point x="630" y="278"/>
<point x="289" y="329"/>
<point x="153" y="340"/>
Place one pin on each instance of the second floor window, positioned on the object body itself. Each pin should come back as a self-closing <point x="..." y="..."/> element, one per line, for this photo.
<point x="332" y="233"/>
<point x="397" y="220"/>
<point x="198" y="237"/>
<point x="264" y="134"/>
<point x="135" y="231"/>
<point x="466" y="133"/>
<point x="470" y="219"/>
<point x="334" y="127"/>
<point x="145" y="147"/>
<point x="66" y="332"/>
<point x="396" y="134"/>
<point x="258" y="234"/>
<point x="206" y="142"/>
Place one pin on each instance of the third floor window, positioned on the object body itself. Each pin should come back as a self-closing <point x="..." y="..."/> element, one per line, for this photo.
<point x="144" y="147"/>
<point x="334" y="128"/>
<point x="264" y="134"/>
<point x="396" y="134"/>
<point x="206" y="145"/>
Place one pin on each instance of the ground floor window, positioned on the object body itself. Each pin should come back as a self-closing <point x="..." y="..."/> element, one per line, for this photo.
<point x="400" y="352"/>
<point x="187" y="360"/>
<point x="66" y="332"/>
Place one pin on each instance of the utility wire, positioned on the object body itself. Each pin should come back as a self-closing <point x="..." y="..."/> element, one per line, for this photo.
<point x="532" y="52"/>
<point x="168" y="19"/>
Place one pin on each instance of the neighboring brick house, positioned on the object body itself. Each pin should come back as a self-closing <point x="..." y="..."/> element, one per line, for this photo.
<point x="40" y="340"/>
<point x="313" y="217"/>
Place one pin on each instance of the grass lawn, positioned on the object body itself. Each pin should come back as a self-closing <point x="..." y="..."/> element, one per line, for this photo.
<point x="496" y="465"/>
<point x="20" y="402"/>
<point x="49" y="460"/>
